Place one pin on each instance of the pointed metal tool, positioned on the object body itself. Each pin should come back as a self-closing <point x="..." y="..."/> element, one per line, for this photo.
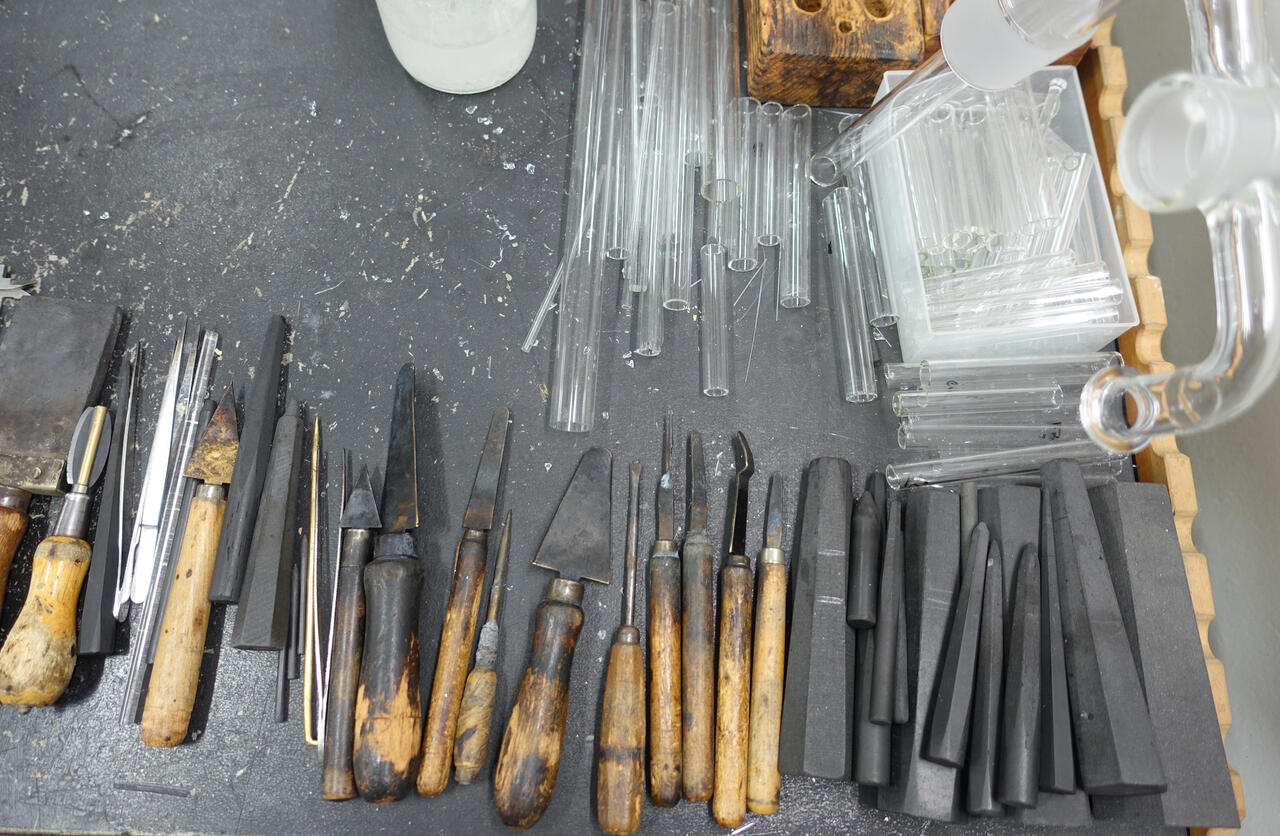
<point x="459" y="629"/>
<point x="388" y="721"/>
<point x="665" y="750"/>
<point x="698" y="692"/>
<point x="577" y="546"/>
<point x="171" y="691"/>
<point x="768" y="661"/>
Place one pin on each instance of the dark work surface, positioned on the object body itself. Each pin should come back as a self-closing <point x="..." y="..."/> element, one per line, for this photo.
<point x="223" y="161"/>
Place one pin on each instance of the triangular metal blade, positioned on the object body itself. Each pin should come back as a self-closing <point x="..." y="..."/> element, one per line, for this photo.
<point x="361" y="509"/>
<point x="484" y="492"/>
<point x="577" y="541"/>
<point x="214" y="458"/>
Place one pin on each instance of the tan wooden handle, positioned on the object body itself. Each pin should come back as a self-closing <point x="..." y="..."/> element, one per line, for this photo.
<point x="475" y="719"/>
<point x="733" y="697"/>
<point x="664" y="689"/>
<point x="620" y="776"/>
<point x="698" y="672"/>
<point x="767" y="669"/>
<point x="456" y="638"/>
<point x="40" y="653"/>
<point x="171" y="692"/>
<point x="13" y="524"/>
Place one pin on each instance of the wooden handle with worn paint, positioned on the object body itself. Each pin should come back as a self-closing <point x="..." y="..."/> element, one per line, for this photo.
<point x="475" y="719"/>
<point x="338" y="781"/>
<point x="767" y="669"/>
<point x="620" y="772"/>
<point x="388" y="719"/>
<point x="171" y="691"/>
<point x="13" y="524"/>
<point x="40" y="653"/>
<point x="698" y="672"/>
<point x="733" y="696"/>
<point x="664" y="686"/>
<point x="454" y="654"/>
<point x="529" y="759"/>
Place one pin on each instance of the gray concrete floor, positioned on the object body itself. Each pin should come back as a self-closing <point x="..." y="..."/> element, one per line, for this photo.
<point x="1236" y="467"/>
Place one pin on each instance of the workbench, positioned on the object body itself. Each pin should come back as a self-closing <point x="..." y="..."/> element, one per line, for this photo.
<point x="218" y="162"/>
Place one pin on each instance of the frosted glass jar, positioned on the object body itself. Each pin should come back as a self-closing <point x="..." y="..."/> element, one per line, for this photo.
<point x="460" y="46"/>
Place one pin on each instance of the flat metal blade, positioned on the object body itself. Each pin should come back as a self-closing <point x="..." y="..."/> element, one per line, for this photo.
<point x="484" y="491"/>
<point x="746" y="467"/>
<point x="773" y="513"/>
<point x="697" y="477"/>
<point x="53" y="359"/>
<point x="577" y="541"/>
<point x="361" y="509"/>
<point x="665" y="502"/>
<point x="400" y="490"/>
<point x="214" y="459"/>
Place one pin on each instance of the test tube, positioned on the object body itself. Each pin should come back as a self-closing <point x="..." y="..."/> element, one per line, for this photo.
<point x="855" y="356"/>
<point x="1063" y="369"/>
<point x="954" y="437"/>
<point x="765" y="194"/>
<point x="793" y="257"/>
<point x="714" y="299"/>
<point x="743" y="248"/>
<point x="994" y="463"/>
<point x="944" y="405"/>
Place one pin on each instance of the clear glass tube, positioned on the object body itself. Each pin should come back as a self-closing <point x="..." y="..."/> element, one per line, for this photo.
<point x="873" y="284"/>
<point x="744" y="250"/>
<point x="993" y="463"/>
<point x="649" y="330"/>
<point x="623" y="95"/>
<point x="855" y="355"/>
<point x="767" y="200"/>
<point x="694" y="72"/>
<point x="943" y="405"/>
<point x="947" y="436"/>
<point x="678" y="278"/>
<point x="794" y="274"/>
<point x="715" y="353"/>
<point x="721" y="172"/>
<point x="1063" y="370"/>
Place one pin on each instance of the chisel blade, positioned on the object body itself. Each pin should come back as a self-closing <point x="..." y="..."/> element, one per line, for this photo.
<point x="484" y="491"/>
<point x="577" y="541"/>
<point x="400" y="491"/>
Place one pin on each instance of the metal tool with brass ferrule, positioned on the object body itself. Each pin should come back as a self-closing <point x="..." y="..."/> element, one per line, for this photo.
<point x="698" y="671"/>
<point x="39" y="653"/>
<point x="171" y="692"/>
<point x="768" y="663"/>
<point x="388" y="721"/>
<point x="475" y="716"/>
<point x="358" y="521"/>
<point x="733" y="669"/>
<point x="664" y="640"/>
<point x="620" y="772"/>
<point x="462" y="611"/>
<point x="577" y="546"/>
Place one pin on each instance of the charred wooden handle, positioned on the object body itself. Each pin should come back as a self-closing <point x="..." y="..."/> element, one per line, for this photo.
<point x="388" y="718"/>
<point x="529" y="758"/>
<point x="338" y="781"/>
<point x="664" y="686"/>
<point x="40" y="653"/>
<point x="171" y="692"/>
<point x="13" y="524"/>
<point x="452" y="659"/>
<point x="767" y="668"/>
<point x="698" y="672"/>
<point x="620" y="776"/>
<point x="733" y="696"/>
<point x="475" y="719"/>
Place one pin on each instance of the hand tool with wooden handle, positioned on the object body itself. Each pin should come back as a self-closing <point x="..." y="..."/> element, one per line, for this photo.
<point x="577" y="546"/>
<point x="171" y="692"/>
<point x="475" y="717"/>
<point x="620" y="775"/>
<point x="53" y="358"/>
<point x="39" y="653"/>
<point x="388" y="723"/>
<point x="698" y="671"/>
<point x="359" y="518"/>
<point x="665" y="715"/>
<point x="768" y="665"/>
<point x="733" y="669"/>
<point x="459" y="629"/>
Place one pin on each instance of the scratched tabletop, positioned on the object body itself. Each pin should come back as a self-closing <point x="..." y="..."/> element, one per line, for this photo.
<point x="220" y="162"/>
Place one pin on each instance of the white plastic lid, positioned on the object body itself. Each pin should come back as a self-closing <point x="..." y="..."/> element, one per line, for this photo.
<point x="987" y="51"/>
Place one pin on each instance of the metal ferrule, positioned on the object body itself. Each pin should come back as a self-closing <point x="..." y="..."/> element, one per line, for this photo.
<point x="665" y="548"/>
<point x="15" y="498"/>
<point x="565" y="590"/>
<point x="627" y="634"/>
<point x="773" y="557"/>
<point x="73" y="520"/>
<point x="206" y="490"/>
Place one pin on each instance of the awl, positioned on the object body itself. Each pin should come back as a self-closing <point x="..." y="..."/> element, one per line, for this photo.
<point x="768" y="665"/>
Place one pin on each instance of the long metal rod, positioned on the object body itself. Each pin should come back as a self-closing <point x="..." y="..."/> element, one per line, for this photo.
<point x="312" y="685"/>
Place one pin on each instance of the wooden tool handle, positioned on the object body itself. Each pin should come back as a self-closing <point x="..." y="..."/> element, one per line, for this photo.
<point x="40" y="652"/>
<point x="733" y="697"/>
<point x="767" y="669"/>
<point x="13" y="524"/>
<point x="338" y="781"/>
<point x="452" y="659"/>
<point x="620" y="776"/>
<point x="475" y="718"/>
<point x="664" y="687"/>
<point x="171" y="692"/>
<point x="388" y="720"/>
<point x="698" y="673"/>
<point x="532" y="744"/>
